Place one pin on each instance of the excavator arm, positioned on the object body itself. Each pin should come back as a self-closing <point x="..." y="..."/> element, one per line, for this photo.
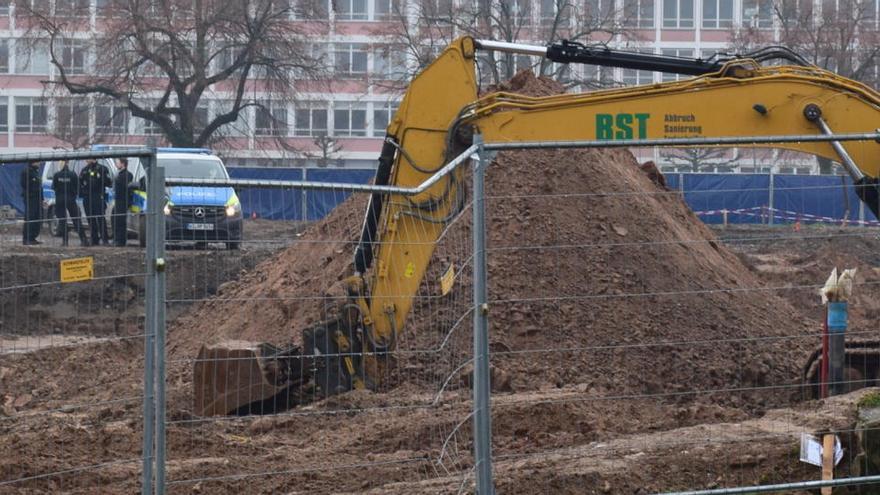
<point x="436" y="120"/>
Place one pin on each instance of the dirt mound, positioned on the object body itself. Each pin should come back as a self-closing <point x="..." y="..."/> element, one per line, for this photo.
<point x="608" y="279"/>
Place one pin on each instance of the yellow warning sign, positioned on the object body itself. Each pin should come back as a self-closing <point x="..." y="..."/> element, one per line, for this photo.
<point x="77" y="269"/>
<point x="410" y="270"/>
<point x="447" y="280"/>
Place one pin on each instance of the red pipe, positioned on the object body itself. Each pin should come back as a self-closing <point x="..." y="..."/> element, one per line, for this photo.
<point x="823" y="371"/>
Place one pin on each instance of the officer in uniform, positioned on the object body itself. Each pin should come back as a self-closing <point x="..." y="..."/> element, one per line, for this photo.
<point x="92" y="181"/>
<point x="122" y="201"/>
<point x="32" y="193"/>
<point x="65" y="183"/>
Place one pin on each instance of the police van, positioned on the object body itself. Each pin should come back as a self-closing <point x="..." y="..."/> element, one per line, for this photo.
<point x="200" y="214"/>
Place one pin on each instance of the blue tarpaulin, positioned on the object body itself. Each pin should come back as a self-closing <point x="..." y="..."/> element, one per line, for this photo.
<point x="714" y="192"/>
<point x="10" y="185"/>
<point x="320" y="203"/>
<point x="746" y="197"/>
<point x="274" y="204"/>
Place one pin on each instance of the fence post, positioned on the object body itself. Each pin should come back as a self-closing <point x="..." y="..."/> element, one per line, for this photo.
<point x="482" y="411"/>
<point x="154" y="352"/>
<point x="770" y="199"/>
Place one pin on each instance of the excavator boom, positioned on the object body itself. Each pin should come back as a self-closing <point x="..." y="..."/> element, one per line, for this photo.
<point x="436" y="120"/>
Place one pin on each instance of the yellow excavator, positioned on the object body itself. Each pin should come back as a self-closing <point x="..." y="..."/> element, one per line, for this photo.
<point x="729" y="96"/>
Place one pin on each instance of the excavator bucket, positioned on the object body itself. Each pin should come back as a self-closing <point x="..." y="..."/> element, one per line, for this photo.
<point x="239" y="377"/>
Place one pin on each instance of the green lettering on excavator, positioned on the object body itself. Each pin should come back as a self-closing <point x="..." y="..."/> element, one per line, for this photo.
<point x="624" y="126"/>
<point x="604" y="126"/>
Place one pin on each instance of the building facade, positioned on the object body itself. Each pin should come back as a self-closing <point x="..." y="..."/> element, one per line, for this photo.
<point x="341" y="123"/>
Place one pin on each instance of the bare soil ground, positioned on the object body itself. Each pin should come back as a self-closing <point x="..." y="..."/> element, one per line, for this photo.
<point x="638" y="351"/>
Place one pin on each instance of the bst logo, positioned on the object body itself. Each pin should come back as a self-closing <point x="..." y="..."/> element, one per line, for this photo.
<point x="622" y="125"/>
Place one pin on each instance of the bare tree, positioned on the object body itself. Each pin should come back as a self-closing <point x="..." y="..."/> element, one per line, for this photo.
<point x="842" y="36"/>
<point x="327" y="148"/>
<point x="161" y="60"/>
<point x="430" y="25"/>
<point x="699" y="159"/>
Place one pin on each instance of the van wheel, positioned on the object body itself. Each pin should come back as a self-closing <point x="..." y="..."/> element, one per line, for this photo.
<point x="142" y="231"/>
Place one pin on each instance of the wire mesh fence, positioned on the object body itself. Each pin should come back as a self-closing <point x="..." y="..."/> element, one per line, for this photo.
<point x="634" y="350"/>
<point x="641" y="352"/>
<point x="251" y="408"/>
<point x="71" y="362"/>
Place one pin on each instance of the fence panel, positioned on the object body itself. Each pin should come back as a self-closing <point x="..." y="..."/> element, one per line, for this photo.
<point x="632" y="351"/>
<point x="411" y="434"/>
<point x="71" y="363"/>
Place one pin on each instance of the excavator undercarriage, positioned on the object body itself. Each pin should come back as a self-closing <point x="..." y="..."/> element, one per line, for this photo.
<point x="861" y="368"/>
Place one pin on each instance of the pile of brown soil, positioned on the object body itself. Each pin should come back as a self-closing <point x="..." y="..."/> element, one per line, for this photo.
<point x="604" y="277"/>
<point x="614" y="313"/>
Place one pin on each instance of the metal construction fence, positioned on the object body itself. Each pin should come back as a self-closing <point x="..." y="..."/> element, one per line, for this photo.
<point x="741" y="198"/>
<point x="567" y="336"/>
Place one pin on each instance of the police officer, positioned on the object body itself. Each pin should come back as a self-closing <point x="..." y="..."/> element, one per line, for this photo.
<point x="65" y="183"/>
<point x="32" y="193"/>
<point x="92" y="181"/>
<point x="122" y="201"/>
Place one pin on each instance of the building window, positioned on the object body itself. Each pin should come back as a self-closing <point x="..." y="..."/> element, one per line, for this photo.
<point x="389" y="62"/>
<point x="758" y="13"/>
<point x="239" y="127"/>
<point x="4" y="56"/>
<point x="30" y="115"/>
<point x="678" y="13"/>
<point x="601" y="12"/>
<point x="4" y="7"/>
<point x="676" y="52"/>
<point x="351" y="59"/>
<point x="550" y="9"/>
<point x="350" y="10"/>
<point x="632" y="77"/>
<point x="72" y="8"/>
<point x="72" y="55"/>
<point x="436" y="9"/>
<point x="382" y="115"/>
<point x="349" y="119"/>
<point x="200" y="118"/>
<point x="227" y="57"/>
<point x="4" y="116"/>
<point x="111" y="119"/>
<point x="271" y="119"/>
<point x="519" y="11"/>
<point x="717" y="14"/>
<point x="149" y="127"/>
<point x="385" y="10"/>
<point x="309" y="10"/>
<point x="71" y="117"/>
<point x="31" y="56"/>
<point x="638" y="13"/>
<point x="309" y="121"/>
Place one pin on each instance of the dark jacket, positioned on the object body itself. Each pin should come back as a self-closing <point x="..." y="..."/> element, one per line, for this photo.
<point x="31" y="185"/>
<point x="65" y="183"/>
<point x="92" y="181"/>
<point x="122" y="190"/>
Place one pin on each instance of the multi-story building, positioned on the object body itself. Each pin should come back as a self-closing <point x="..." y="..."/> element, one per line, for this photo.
<point x="342" y="123"/>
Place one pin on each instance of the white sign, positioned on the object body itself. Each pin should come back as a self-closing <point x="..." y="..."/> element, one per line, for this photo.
<point x="811" y="450"/>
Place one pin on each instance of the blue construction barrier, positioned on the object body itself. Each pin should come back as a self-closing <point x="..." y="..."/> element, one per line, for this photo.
<point x="10" y="186"/>
<point x="747" y="198"/>
<point x="271" y="203"/>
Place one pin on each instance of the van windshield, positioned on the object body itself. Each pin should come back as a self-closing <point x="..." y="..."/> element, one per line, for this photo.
<point x="193" y="168"/>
